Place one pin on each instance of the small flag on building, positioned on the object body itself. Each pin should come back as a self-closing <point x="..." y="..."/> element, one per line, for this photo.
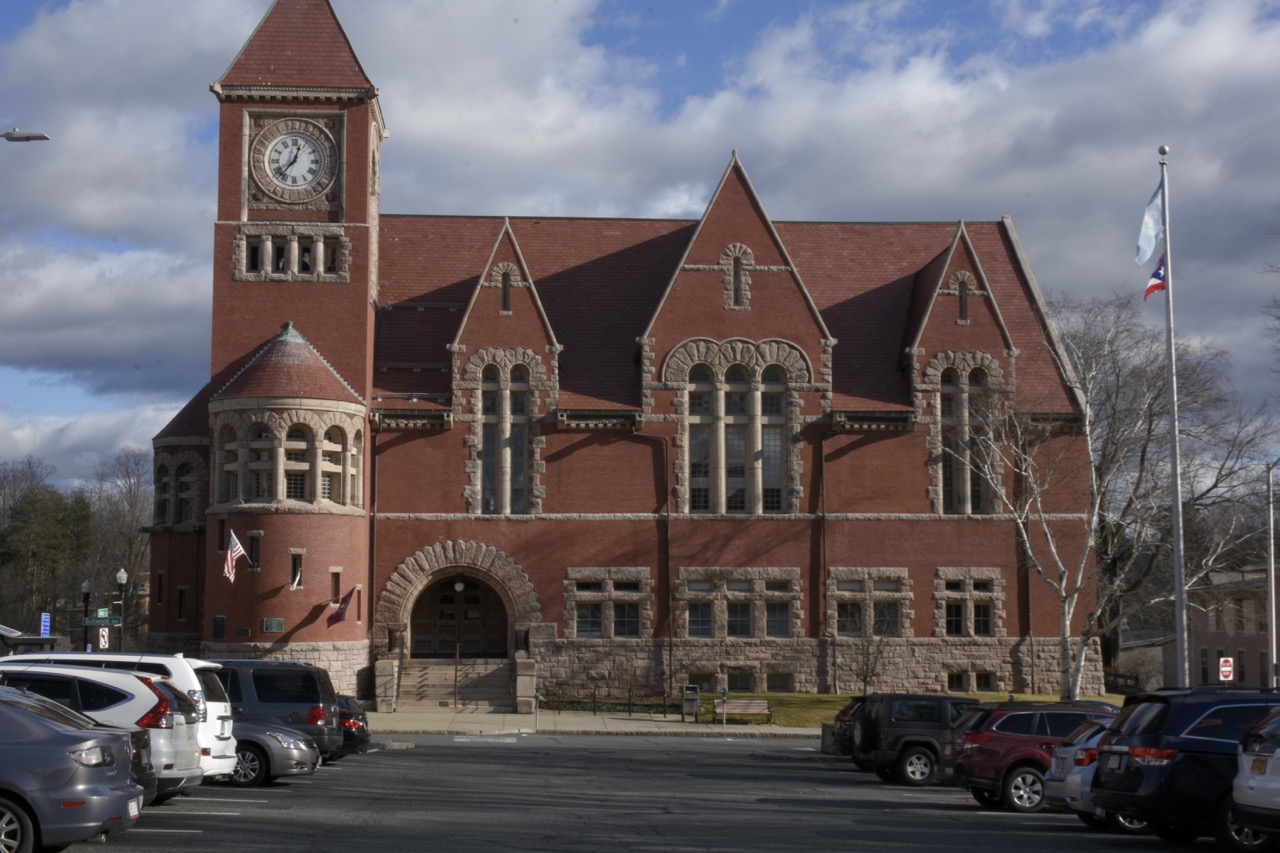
<point x="1156" y="283"/>
<point x="341" y="613"/>
<point x="234" y="552"/>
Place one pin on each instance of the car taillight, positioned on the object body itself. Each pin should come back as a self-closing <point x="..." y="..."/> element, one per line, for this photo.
<point x="351" y="723"/>
<point x="161" y="714"/>
<point x="1085" y="757"/>
<point x="1150" y="756"/>
<point x="315" y="717"/>
<point x="973" y="740"/>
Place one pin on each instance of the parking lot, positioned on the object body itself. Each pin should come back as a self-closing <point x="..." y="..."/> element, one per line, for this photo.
<point x="538" y="792"/>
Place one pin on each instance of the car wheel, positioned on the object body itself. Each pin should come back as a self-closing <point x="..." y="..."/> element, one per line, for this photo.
<point x="17" y="835"/>
<point x="986" y="799"/>
<point x="1024" y="789"/>
<point x="1232" y="836"/>
<point x="1127" y="824"/>
<point x="916" y="766"/>
<point x="1092" y="821"/>
<point x="251" y="766"/>
<point x="1173" y="833"/>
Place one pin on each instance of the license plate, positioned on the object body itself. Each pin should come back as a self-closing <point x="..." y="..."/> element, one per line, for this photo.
<point x="1113" y="761"/>
<point x="134" y="808"/>
<point x="1258" y="765"/>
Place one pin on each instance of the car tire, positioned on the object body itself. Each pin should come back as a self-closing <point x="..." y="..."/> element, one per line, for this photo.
<point x="917" y="766"/>
<point x="1024" y="789"/>
<point x="1127" y="824"/>
<point x="986" y="799"/>
<point x="17" y="833"/>
<point x="1093" y="821"/>
<point x="1232" y="836"/>
<point x="251" y="766"/>
<point x="1173" y="833"/>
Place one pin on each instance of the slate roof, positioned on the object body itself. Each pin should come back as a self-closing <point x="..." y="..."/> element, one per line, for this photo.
<point x="600" y="281"/>
<point x="298" y="44"/>
<point x="288" y="366"/>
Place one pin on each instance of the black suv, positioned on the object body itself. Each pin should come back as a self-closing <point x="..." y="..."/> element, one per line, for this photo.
<point x="1170" y="758"/>
<point x="897" y="734"/>
<point x="290" y="693"/>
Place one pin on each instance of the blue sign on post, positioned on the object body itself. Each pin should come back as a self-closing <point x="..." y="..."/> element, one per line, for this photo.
<point x="44" y="624"/>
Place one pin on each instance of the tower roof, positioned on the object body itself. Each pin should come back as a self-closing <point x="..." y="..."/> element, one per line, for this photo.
<point x="288" y="366"/>
<point x="299" y="45"/>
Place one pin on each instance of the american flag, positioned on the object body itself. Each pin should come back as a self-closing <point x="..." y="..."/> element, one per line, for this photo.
<point x="340" y="614"/>
<point x="234" y="552"/>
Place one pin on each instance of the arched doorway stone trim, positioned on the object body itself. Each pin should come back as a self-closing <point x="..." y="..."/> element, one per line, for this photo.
<point x="446" y="559"/>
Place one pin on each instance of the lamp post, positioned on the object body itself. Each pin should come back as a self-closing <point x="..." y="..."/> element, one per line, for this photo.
<point x="122" y="577"/>
<point x="84" y="598"/>
<point x="16" y="135"/>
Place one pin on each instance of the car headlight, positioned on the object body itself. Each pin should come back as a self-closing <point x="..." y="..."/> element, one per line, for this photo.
<point x="287" y="741"/>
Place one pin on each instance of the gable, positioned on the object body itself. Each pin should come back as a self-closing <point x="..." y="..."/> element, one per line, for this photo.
<point x="504" y="310"/>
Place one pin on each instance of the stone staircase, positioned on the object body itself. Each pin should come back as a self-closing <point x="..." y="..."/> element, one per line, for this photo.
<point x="428" y="683"/>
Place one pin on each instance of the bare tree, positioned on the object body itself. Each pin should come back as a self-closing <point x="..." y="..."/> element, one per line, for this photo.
<point x="1113" y="550"/>
<point x="122" y="496"/>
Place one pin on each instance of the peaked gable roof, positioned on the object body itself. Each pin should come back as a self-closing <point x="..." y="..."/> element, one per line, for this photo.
<point x="288" y="366"/>
<point x="709" y="241"/>
<point x="299" y="44"/>
<point x="506" y="249"/>
<point x="935" y="276"/>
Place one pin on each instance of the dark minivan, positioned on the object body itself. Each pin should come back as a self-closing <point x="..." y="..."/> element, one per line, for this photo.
<point x="298" y="695"/>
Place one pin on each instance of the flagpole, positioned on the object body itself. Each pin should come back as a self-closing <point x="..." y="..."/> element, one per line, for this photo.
<point x="1175" y="456"/>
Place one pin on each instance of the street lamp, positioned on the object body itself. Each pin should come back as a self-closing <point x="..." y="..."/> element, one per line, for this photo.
<point x="122" y="577"/>
<point x="84" y="597"/>
<point x="16" y="135"/>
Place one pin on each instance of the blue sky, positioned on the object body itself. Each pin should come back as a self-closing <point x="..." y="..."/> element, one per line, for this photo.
<point x="1048" y="111"/>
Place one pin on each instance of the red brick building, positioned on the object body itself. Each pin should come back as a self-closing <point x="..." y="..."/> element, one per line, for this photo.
<point x="608" y="454"/>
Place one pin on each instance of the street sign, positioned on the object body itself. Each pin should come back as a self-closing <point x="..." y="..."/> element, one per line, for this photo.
<point x="104" y="611"/>
<point x="44" y="624"/>
<point x="1226" y="668"/>
<point x="104" y="638"/>
<point x="98" y="621"/>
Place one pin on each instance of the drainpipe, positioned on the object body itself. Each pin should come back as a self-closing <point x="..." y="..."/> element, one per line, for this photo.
<point x="825" y="567"/>
<point x="665" y="569"/>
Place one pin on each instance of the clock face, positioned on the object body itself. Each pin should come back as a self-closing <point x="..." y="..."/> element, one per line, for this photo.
<point x="294" y="160"/>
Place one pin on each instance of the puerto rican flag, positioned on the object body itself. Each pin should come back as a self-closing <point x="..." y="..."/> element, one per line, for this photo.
<point x="1156" y="282"/>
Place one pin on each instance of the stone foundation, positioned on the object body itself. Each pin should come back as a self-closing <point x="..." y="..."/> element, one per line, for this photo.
<point x="349" y="664"/>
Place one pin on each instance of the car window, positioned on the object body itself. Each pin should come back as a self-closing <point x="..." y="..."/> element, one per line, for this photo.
<point x="60" y="690"/>
<point x="95" y="696"/>
<point x="958" y="710"/>
<point x="55" y="713"/>
<point x="917" y="711"/>
<point x="1140" y="718"/>
<point x="212" y="687"/>
<point x="1062" y="723"/>
<point x="231" y="681"/>
<point x="1016" y="724"/>
<point x="1225" y="722"/>
<point x="1083" y="732"/>
<point x="285" y="686"/>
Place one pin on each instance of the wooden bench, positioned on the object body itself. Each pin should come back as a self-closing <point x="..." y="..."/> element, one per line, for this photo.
<point x="742" y="707"/>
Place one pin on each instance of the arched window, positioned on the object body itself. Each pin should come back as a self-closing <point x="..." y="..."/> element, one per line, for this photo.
<point x="161" y="515"/>
<point x="228" y="465"/>
<point x="504" y="440"/>
<point x="261" y="463"/>
<point x="506" y="291"/>
<point x="737" y="434"/>
<point x="965" y="420"/>
<point x="333" y="462"/>
<point x="187" y="502"/>
<point x="297" y="463"/>
<point x="518" y="438"/>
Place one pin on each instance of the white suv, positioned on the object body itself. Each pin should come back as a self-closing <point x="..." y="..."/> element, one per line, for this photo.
<point x="193" y="676"/>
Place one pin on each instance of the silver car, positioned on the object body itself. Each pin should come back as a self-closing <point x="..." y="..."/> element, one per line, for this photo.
<point x="265" y="752"/>
<point x="1070" y="776"/>
<point x="51" y="759"/>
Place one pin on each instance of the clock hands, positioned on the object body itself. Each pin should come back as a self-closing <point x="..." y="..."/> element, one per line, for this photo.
<point x="285" y="167"/>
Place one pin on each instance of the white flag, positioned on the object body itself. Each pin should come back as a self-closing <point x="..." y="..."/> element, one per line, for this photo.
<point x="1152" y="225"/>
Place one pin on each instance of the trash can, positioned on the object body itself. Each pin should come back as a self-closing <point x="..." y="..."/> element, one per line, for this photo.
<point x="691" y="703"/>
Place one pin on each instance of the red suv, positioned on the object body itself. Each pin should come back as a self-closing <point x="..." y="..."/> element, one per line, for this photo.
<point x="1000" y="752"/>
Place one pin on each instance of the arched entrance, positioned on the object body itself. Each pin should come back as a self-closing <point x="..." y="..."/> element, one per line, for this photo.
<point x="458" y="616"/>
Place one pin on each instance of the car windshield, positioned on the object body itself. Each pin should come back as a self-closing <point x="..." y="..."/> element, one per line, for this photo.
<point x="53" y="712"/>
<point x="1082" y="733"/>
<point x="1142" y="717"/>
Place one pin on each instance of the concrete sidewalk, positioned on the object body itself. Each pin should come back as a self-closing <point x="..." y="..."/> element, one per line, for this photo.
<point x="482" y="721"/>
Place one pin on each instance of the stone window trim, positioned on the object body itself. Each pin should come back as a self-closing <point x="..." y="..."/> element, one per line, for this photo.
<point x="965" y="578"/>
<point x="179" y="477"/>
<point x="964" y="286"/>
<point x="609" y="579"/>
<point x="929" y="410"/>
<point x="277" y="238"/>
<point x="541" y="395"/>
<point x="868" y="595"/>
<point x="241" y="455"/>
<point x="506" y="277"/>
<point x="739" y="585"/>
<point x="737" y="261"/>
<point x="755" y="358"/>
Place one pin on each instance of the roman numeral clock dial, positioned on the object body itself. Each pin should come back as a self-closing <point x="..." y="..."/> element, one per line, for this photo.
<point x="294" y="160"/>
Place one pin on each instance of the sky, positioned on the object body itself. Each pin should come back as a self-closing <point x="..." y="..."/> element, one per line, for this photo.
<point x="1048" y="111"/>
